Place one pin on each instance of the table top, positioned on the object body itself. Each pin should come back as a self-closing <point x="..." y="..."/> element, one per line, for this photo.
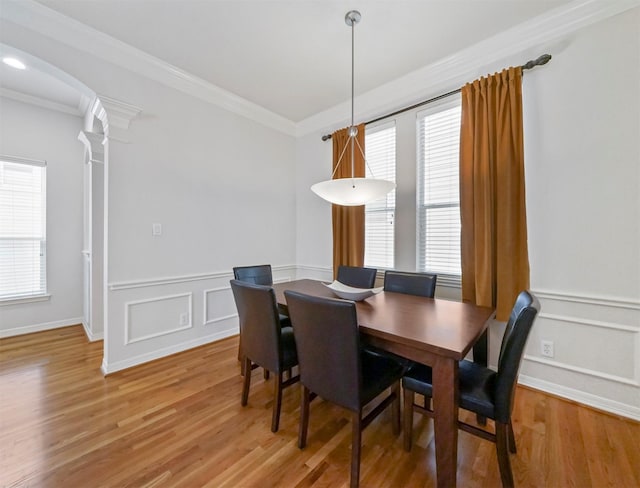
<point x="433" y="325"/>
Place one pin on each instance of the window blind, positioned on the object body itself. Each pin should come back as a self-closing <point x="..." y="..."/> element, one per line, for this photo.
<point x="438" y="212"/>
<point x="380" y="148"/>
<point x="22" y="228"/>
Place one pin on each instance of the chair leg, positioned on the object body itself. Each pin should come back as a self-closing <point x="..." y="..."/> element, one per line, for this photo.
<point x="277" y="401"/>
<point x="407" y="420"/>
<point x="395" y="409"/>
<point x="481" y="419"/>
<point x="304" y="417"/>
<point x="427" y="402"/>
<point x="266" y="374"/>
<point x="512" y="439"/>
<point x="356" y="444"/>
<point x="502" y="444"/>
<point x="246" y="368"/>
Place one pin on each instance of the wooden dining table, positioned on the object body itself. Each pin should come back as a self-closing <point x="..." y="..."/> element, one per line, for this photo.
<point x="431" y="331"/>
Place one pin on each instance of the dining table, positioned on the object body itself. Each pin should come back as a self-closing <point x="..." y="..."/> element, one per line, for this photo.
<point x="431" y="331"/>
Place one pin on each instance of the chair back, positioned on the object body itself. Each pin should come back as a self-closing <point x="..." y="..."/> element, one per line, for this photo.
<point x="259" y="323"/>
<point x="420" y="284"/>
<point x="356" y="276"/>
<point x="328" y="345"/>
<point x="514" y="340"/>
<point x="258" y="275"/>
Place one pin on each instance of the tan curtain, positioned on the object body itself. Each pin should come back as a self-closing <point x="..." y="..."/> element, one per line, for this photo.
<point x="348" y="222"/>
<point x="495" y="262"/>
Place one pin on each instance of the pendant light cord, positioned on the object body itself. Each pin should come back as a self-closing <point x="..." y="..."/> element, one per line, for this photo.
<point x="352" y="129"/>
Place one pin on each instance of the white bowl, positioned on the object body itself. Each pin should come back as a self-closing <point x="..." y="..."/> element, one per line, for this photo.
<point x="350" y="292"/>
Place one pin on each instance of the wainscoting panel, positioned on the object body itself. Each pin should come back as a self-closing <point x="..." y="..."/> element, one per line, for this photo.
<point x="596" y="339"/>
<point x="155" y="317"/>
<point x="219" y="305"/>
<point x="596" y="351"/>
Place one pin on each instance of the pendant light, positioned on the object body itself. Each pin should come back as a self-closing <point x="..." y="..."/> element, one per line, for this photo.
<point x="352" y="191"/>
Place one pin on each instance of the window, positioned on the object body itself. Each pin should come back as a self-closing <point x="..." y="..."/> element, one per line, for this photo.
<point x="22" y="228"/>
<point x="438" y="195"/>
<point x="380" y="146"/>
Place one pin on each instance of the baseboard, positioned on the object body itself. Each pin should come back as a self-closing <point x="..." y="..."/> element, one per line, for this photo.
<point x="29" y="329"/>
<point x="600" y="403"/>
<point x="109" y="368"/>
<point x="93" y="337"/>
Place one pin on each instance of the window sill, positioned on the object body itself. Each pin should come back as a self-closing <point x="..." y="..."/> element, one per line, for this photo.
<point x="20" y="301"/>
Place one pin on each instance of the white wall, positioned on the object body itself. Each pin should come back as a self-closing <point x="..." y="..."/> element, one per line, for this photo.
<point x="583" y="195"/>
<point x="582" y="162"/>
<point x="222" y="188"/>
<point x="221" y="185"/>
<point x="229" y="191"/>
<point x="38" y="133"/>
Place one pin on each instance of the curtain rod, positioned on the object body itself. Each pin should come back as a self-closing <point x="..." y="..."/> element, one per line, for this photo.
<point x="541" y="60"/>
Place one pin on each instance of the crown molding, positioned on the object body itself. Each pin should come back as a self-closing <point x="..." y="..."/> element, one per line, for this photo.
<point x="119" y="113"/>
<point x="455" y="70"/>
<point x="40" y="102"/>
<point x="48" y="22"/>
<point x="539" y="31"/>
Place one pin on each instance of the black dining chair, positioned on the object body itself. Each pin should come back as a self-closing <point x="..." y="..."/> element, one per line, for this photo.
<point x="260" y="274"/>
<point x="264" y="342"/>
<point x="335" y="367"/>
<point x="483" y="391"/>
<point x="419" y="284"/>
<point x="356" y="276"/>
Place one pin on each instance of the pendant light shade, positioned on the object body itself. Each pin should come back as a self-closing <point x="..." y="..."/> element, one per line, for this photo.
<point x="352" y="191"/>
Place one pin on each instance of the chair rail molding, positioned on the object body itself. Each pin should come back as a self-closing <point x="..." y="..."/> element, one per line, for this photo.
<point x="170" y="280"/>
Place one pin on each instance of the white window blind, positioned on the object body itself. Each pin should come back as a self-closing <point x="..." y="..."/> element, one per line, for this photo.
<point x="22" y="228"/>
<point x="438" y="212"/>
<point x="380" y="147"/>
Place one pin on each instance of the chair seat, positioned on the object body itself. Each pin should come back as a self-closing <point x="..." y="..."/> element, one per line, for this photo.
<point x="476" y="386"/>
<point x="378" y="373"/>
<point x="285" y="321"/>
<point x="289" y="355"/>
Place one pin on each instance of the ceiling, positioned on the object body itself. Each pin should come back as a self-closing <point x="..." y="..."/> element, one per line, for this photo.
<point x="293" y="57"/>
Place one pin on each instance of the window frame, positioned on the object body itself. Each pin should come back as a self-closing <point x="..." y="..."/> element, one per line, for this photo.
<point x="42" y="293"/>
<point x="379" y="209"/>
<point x="421" y="209"/>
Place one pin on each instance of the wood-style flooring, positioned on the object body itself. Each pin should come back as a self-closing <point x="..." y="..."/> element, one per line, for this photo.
<point x="178" y="422"/>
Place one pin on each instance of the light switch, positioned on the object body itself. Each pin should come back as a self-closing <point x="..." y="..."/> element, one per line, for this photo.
<point x="156" y="229"/>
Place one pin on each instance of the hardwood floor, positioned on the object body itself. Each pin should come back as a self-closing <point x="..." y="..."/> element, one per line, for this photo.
<point x="178" y="422"/>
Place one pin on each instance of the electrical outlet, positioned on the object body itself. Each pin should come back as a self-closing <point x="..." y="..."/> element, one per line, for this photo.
<point x="184" y="318"/>
<point x="156" y="229"/>
<point x="546" y="348"/>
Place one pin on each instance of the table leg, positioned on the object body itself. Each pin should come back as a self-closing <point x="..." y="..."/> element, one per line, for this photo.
<point x="445" y="405"/>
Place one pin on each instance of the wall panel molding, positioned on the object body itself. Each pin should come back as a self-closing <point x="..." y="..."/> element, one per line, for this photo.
<point x="129" y="339"/>
<point x="585" y="371"/>
<point x="205" y="313"/>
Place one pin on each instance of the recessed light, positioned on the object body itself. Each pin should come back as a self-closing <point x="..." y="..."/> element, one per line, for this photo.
<point x="14" y="63"/>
